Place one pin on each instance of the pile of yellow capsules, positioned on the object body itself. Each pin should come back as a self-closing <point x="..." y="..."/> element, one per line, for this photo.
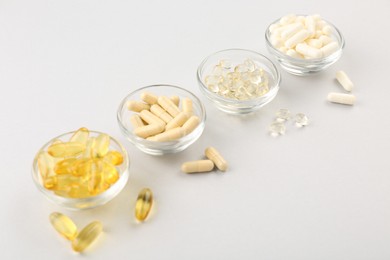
<point x="80" y="168"/>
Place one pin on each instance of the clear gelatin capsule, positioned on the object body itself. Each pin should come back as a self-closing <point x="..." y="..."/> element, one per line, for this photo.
<point x="114" y="157"/>
<point x="65" y="149"/>
<point x="87" y="236"/>
<point x="90" y="146"/>
<point x="101" y="146"/>
<point x="283" y="115"/>
<point x="110" y="173"/>
<point x="64" y="225"/>
<point x="45" y="164"/>
<point x="144" y="204"/>
<point x="80" y="136"/>
<point x="65" y="166"/>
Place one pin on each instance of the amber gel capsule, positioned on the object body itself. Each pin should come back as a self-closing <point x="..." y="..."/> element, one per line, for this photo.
<point x="64" y="225"/>
<point x="65" y="149"/>
<point x="144" y="204"/>
<point x="86" y="236"/>
<point x="80" y="136"/>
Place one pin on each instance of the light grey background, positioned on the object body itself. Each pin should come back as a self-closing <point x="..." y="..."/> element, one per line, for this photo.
<point x="322" y="192"/>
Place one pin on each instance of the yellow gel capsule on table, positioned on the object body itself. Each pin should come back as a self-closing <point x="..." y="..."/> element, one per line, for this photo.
<point x="65" y="166"/>
<point x="64" y="225"/>
<point x="90" y="146"/>
<point x="101" y="146"/>
<point x="114" y="157"/>
<point x="217" y="158"/>
<point x="87" y="236"/>
<point x="65" y="149"/>
<point x="144" y="204"/>
<point x="80" y="136"/>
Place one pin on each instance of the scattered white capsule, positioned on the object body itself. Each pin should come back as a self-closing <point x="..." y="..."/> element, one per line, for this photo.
<point x="283" y="115"/>
<point x="301" y="120"/>
<point x="344" y="80"/>
<point x="341" y="98"/>
<point x="277" y="128"/>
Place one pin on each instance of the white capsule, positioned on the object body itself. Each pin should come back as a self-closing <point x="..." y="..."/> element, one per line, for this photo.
<point x="177" y="121"/>
<point x="149" y="98"/>
<point x="175" y="100"/>
<point x="301" y="19"/>
<point x="191" y="124"/>
<point x="308" y="51"/>
<point x="161" y="113"/>
<point x="197" y="166"/>
<point x="150" y="118"/>
<point x="287" y="19"/>
<point x="325" y="39"/>
<point x="168" y="105"/>
<point x="344" y="80"/>
<point x="136" y="121"/>
<point x="137" y="106"/>
<point x="341" y="98"/>
<point x="276" y="41"/>
<point x="170" y="135"/>
<point x="300" y="36"/>
<point x="329" y="49"/>
<point x="148" y="130"/>
<point x="294" y="54"/>
<point x="291" y="30"/>
<point x="316" y="43"/>
<point x="212" y="154"/>
<point x="187" y="106"/>
<point x="273" y="26"/>
<point x="327" y="30"/>
<point x="320" y="24"/>
<point x="310" y="25"/>
<point x="283" y="49"/>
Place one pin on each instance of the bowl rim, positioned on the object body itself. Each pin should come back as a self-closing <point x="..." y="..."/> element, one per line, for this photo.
<point x="329" y="58"/>
<point x="220" y="98"/>
<point x="60" y="199"/>
<point x="154" y="144"/>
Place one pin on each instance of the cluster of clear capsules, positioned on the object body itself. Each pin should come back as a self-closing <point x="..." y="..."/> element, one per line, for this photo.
<point x="278" y="127"/>
<point x="241" y="82"/>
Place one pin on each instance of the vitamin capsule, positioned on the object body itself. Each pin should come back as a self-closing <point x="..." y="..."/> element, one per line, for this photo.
<point x="80" y="136"/>
<point x="294" y="54"/>
<point x="327" y="30"/>
<point x="65" y="182"/>
<point x="168" y="105"/>
<point x="161" y="113"/>
<point x="175" y="100"/>
<point x="329" y="48"/>
<point x="300" y="36"/>
<point x="177" y="121"/>
<point x="346" y="99"/>
<point x="325" y="39"/>
<point x="137" y="106"/>
<point x="149" y="98"/>
<point x="136" y="121"/>
<point x="102" y="144"/>
<point x="65" y="166"/>
<point x="144" y="204"/>
<point x="308" y="51"/>
<point x="79" y="191"/>
<point x="197" y="166"/>
<point x="114" y="157"/>
<point x="46" y="164"/>
<point x="65" y="149"/>
<point x="291" y="30"/>
<point x="310" y="23"/>
<point x="64" y="225"/>
<point x="187" y="106"/>
<point x="287" y="19"/>
<point x="315" y="43"/>
<point x="344" y="80"/>
<point x="90" y="146"/>
<point x="150" y="118"/>
<point x="86" y="236"/>
<point x="217" y="158"/>
<point x="96" y="181"/>
<point x="110" y="174"/>
<point x="191" y="124"/>
<point x="50" y="182"/>
<point x="169" y="135"/>
<point x="148" y="130"/>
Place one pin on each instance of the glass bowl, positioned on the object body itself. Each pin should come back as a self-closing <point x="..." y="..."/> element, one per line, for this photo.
<point x="303" y="67"/>
<point x="154" y="147"/>
<point x="237" y="56"/>
<point x="90" y="202"/>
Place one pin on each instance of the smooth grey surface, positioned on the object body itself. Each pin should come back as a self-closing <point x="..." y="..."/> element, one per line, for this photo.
<point x="321" y="192"/>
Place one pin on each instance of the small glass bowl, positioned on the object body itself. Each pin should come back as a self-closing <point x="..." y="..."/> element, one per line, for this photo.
<point x="90" y="202"/>
<point x="303" y="67"/>
<point x="236" y="56"/>
<point x="160" y="148"/>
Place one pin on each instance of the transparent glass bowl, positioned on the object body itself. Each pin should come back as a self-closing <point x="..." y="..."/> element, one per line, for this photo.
<point x="160" y="148"/>
<point x="302" y="67"/>
<point x="91" y="202"/>
<point x="236" y="56"/>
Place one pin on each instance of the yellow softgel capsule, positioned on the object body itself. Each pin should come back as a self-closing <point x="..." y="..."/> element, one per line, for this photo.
<point x="217" y="158"/>
<point x="65" y="166"/>
<point x="89" y="147"/>
<point x="46" y="164"/>
<point x="110" y="173"/>
<point x="80" y="136"/>
<point x="65" y="149"/>
<point x="102" y="144"/>
<point x="87" y="236"/>
<point x="64" y="225"/>
<point x="144" y="204"/>
<point x="114" y="157"/>
<point x="79" y="191"/>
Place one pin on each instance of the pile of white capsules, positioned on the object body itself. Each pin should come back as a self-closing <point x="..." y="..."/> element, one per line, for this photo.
<point x="304" y="37"/>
